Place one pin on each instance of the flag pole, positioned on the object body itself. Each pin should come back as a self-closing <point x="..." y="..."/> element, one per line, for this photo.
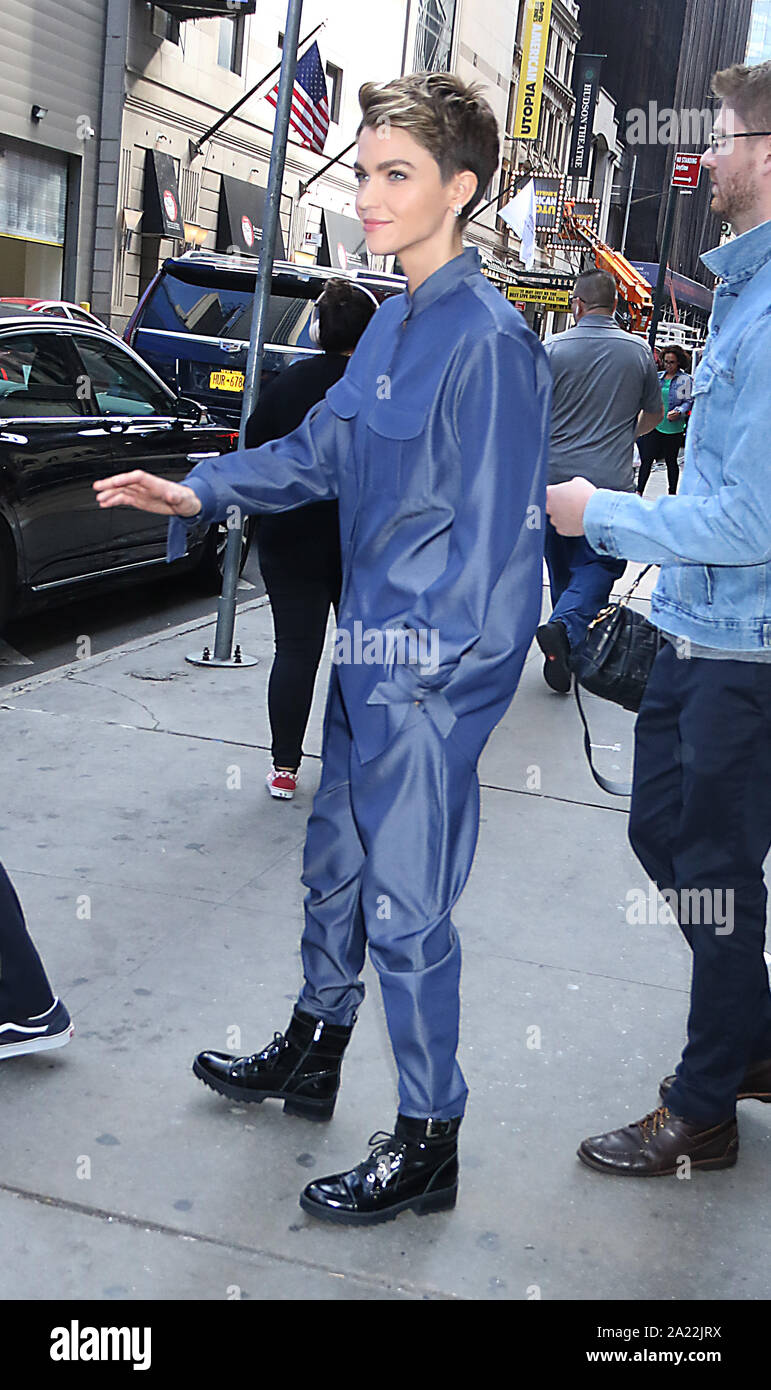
<point x="226" y="612"/>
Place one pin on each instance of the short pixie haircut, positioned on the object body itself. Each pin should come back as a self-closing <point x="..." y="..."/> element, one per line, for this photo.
<point x="449" y="118"/>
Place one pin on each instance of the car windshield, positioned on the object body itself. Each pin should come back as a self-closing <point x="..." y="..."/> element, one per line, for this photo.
<point x="222" y="312"/>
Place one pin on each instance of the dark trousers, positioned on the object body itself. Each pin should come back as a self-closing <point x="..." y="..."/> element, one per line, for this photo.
<point x="580" y="581"/>
<point x="701" y="821"/>
<point x="654" y="446"/>
<point x="24" y="988"/>
<point x="303" y="580"/>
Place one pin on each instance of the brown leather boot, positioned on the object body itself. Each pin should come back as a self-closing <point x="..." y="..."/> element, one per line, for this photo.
<point x="658" y="1144"/>
<point x="756" y="1084"/>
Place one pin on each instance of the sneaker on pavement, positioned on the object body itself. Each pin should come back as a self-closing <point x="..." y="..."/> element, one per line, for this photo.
<point x="52" y="1029"/>
<point x="282" y="785"/>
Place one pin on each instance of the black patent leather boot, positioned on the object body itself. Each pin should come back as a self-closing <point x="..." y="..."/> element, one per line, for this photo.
<point x="415" y="1168"/>
<point x="300" y="1067"/>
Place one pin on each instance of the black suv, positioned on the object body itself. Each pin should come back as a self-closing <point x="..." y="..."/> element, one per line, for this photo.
<point x="192" y="324"/>
<point x="76" y="404"/>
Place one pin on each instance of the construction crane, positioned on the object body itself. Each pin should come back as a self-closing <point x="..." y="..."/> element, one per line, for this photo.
<point x="634" y="292"/>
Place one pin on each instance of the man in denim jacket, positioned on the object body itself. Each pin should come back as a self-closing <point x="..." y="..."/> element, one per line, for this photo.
<point x="701" y="806"/>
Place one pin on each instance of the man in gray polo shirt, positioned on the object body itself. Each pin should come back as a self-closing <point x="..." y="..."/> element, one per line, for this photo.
<point x="606" y="393"/>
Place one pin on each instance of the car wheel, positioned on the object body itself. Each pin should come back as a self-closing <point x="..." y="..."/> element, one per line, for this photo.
<point x="211" y="569"/>
<point x="7" y="575"/>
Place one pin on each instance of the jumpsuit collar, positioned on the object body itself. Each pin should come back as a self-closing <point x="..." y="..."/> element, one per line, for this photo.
<point x="447" y="277"/>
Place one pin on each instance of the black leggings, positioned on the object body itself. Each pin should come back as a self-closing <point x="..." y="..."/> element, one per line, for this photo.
<point x="301" y="587"/>
<point x="655" y="446"/>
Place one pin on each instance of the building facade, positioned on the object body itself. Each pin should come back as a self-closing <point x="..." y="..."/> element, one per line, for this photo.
<point x="51" y="62"/>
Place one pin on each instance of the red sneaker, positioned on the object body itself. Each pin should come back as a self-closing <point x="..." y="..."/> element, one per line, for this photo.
<point x="281" y="784"/>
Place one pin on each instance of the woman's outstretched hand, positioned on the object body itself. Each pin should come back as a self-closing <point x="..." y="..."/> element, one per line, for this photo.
<point x="147" y="493"/>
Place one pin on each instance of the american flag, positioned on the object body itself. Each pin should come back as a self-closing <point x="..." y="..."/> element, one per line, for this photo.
<point x="309" y="115"/>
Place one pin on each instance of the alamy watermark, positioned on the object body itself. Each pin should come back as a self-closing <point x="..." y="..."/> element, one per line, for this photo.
<point x="666" y="125"/>
<point x="710" y="907"/>
<point x="376" y="646"/>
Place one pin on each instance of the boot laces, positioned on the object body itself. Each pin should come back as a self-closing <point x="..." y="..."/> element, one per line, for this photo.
<point x="385" y="1158"/>
<point x="656" y="1120"/>
<point x="271" y="1053"/>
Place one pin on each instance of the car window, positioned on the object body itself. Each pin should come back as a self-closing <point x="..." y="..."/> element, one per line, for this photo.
<point x="38" y="376"/>
<point x="220" y="312"/>
<point x="119" y="385"/>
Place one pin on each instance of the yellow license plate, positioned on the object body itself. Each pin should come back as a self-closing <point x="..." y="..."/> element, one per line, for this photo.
<point x="226" y="381"/>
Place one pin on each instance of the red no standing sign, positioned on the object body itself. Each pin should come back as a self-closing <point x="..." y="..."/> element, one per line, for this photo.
<point x="685" y="173"/>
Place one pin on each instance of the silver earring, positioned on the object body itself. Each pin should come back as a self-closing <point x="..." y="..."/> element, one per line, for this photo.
<point x="458" y="209"/>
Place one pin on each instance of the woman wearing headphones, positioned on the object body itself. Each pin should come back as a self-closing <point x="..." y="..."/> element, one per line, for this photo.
<point x="299" y="550"/>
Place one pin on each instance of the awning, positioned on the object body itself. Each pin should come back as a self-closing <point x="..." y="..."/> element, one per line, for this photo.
<point x="686" y="291"/>
<point x="209" y="9"/>
<point x="343" y="244"/>
<point x="163" y="214"/>
<point x="240" y="218"/>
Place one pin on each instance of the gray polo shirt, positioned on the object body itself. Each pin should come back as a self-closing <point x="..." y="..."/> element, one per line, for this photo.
<point x="603" y="377"/>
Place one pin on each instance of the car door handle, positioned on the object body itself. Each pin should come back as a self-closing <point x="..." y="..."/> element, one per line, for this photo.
<point x="213" y="454"/>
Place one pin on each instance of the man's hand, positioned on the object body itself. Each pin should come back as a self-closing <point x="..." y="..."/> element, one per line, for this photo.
<point x="674" y="415"/>
<point x="566" y="504"/>
<point x="147" y="493"/>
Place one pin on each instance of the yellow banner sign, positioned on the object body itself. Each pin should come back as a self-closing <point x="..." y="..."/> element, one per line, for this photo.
<point x="538" y="294"/>
<point x="534" y="45"/>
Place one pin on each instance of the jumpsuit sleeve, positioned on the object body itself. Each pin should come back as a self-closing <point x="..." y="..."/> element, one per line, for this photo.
<point x="284" y="473"/>
<point x="501" y="428"/>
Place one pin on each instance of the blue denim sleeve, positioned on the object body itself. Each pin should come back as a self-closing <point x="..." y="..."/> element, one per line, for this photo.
<point x="502" y="429"/>
<point x="288" y="472"/>
<point x="731" y="526"/>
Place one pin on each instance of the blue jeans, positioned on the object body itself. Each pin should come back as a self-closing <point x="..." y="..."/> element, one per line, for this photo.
<point x="580" y="581"/>
<point x="700" y="820"/>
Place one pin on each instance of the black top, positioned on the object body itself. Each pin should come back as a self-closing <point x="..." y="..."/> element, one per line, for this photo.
<point x="283" y="405"/>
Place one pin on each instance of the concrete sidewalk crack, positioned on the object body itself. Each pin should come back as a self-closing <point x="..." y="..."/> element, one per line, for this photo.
<point x="121" y="694"/>
<point x="160" y="1228"/>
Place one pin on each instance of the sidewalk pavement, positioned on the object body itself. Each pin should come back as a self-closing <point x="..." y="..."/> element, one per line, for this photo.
<point x="161" y="884"/>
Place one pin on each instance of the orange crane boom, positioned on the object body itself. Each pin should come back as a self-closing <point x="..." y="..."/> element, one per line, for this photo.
<point x="633" y="288"/>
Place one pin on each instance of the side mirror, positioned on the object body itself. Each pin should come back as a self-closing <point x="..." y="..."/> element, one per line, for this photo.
<point x="191" y="411"/>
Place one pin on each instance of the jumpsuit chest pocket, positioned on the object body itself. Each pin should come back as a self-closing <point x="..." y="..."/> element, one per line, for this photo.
<point x="397" y="448"/>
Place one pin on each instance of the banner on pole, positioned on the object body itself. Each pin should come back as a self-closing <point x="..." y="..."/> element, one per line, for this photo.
<point x="586" y="84"/>
<point x="534" y="45"/>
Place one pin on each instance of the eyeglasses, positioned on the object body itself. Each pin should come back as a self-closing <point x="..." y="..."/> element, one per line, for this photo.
<point x="719" y="142"/>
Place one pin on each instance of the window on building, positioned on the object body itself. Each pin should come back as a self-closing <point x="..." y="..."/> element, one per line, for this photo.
<point x="230" y="47"/>
<point x="165" y="26"/>
<point x="433" y="35"/>
<point x="520" y="22"/>
<point x="558" y="60"/>
<point x="334" y="90"/>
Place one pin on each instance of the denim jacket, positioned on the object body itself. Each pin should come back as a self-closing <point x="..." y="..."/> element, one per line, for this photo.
<point x="680" y="392"/>
<point x="713" y="540"/>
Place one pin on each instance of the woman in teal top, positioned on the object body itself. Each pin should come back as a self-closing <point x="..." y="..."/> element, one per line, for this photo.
<point x="664" y="442"/>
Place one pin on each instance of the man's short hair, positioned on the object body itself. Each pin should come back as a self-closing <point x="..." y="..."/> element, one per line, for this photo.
<point x="448" y="117"/>
<point x="747" y="90"/>
<point x="344" y="311"/>
<point x="597" y="289"/>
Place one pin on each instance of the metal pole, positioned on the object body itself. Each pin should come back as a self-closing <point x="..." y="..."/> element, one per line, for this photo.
<point x="629" y="204"/>
<point x="226" y="612"/>
<point x="661" y="282"/>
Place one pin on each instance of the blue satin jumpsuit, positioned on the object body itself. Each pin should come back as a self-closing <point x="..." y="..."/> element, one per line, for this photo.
<point x="435" y="443"/>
